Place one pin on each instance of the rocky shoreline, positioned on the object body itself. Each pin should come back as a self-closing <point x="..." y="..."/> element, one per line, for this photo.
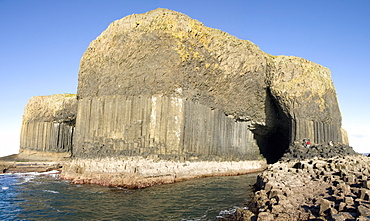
<point x="140" y="172"/>
<point x="318" y="183"/>
<point x="313" y="188"/>
<point x="32" y="161"/>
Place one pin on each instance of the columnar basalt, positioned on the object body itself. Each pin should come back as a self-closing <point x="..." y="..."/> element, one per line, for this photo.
<point x="163" y="85"/>
<point x="48" y="125"/>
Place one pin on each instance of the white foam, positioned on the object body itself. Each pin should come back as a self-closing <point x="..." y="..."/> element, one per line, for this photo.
<point x="4" y="187"/>
<point x="50" y="191"/>
<point x="50" y="172"/>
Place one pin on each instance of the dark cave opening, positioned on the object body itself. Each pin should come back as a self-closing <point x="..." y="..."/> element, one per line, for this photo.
<point x="276" y="144"/>
<point x="273" y="138"/>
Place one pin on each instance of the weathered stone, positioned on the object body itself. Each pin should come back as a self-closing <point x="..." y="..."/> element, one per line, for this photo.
<point x="48" y="125"/>
<point x="363" y="218"/>
<point x="363" y="211"/>
<point x="342" y="206"/>
<point x="313" y="199"/>
<point x="366" y="184"/>
<point x="363" y="194"/>
<point x="275" y="193"/>
<point x="348" y="200"/>
<point x="164" y="63"/>
<point x="342" y="216"/>
<point x="243" y="215"/>
<point x="265" y="216"/>
<point x="324" y="205"/>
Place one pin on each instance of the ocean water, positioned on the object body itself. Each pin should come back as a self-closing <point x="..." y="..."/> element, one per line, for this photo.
<point x="42" y="196"/>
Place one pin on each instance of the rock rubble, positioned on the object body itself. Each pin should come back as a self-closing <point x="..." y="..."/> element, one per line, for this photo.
<point x="297" y="151"/>
<point x="336" y="188"/>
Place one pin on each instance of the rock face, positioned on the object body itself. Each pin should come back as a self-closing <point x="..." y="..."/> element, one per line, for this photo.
<point x="163" y="83"/>
<point x="48" y="125"/>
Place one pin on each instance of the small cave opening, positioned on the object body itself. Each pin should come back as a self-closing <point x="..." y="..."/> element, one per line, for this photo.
<point x="277" y="142"/>
<point x="273" y="139"/>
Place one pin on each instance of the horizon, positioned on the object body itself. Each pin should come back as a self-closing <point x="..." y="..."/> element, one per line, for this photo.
<point x="43" y="42"/>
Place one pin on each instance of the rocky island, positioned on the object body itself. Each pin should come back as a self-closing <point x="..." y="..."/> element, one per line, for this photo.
<point x="162" y="98"/>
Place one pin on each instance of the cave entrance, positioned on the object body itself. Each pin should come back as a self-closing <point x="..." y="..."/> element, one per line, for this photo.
<point x="276" y="143"/>
<point x="273" y="138"/>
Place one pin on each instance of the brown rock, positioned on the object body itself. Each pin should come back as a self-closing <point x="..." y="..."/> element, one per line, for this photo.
<point x="363" y="194"/>
<point x="363" y="218"/>
<point x="341" y="216"/>
<point x="342" y="206"/>
<point x="348" y="200"/>
<point x="324" y="205"/>
<point x="366" y="184"/>
<point x="363" y="211"/>
<point x="265" y="216"/>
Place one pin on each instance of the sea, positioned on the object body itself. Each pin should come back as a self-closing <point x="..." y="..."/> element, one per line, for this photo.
<point x="43" y="196"/>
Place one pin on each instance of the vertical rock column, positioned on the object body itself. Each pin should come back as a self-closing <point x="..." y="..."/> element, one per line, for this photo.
<point x="48" y="124"/>
<point x="129" y="126"/>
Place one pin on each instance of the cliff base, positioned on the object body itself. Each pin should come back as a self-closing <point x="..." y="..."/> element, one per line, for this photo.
<point x="140" y="172"/>
<point x="32" y="161"/>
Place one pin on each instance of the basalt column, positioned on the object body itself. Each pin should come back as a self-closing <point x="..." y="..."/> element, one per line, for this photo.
<point x="48" y="124"/>
<point x="306" y="95"/>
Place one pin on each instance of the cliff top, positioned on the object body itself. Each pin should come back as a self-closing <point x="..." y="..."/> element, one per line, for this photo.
<point x="166" y="52"/>
<point x="57" y="107"/>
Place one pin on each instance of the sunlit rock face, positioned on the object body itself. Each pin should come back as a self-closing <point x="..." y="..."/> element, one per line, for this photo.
<point x="161" y="83"/>
<point x="48" y="125"/>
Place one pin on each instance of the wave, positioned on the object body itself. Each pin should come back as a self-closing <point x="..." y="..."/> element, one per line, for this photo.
<point x="50" y="191"/>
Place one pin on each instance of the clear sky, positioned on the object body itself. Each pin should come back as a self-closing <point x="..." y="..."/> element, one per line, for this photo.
<point x="42" y="41"/>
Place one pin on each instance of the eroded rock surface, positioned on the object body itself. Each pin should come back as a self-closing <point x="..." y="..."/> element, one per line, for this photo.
<point x="313" y="189"/>
<point x="163" y="83"/>
<point x="48" y="125"/>
<point x="140" y="172"/>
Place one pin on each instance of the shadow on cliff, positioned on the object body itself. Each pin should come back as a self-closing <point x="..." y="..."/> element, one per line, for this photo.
<point x="274" y="138"/>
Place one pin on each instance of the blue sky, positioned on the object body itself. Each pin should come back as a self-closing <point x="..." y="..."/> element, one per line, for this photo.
<point x="42" y="41"/>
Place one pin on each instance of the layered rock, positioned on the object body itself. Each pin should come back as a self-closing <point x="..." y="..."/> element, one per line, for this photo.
<point x="48" y="126"/>
<point x="139" y="172"/>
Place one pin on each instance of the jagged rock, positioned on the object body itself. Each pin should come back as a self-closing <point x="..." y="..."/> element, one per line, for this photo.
<point x="363" y="210"/>
<point x="297" y="151"/>
<point x="264" y="216"/>
<point x="324" y="206"/>
<point x="307" y="195"/>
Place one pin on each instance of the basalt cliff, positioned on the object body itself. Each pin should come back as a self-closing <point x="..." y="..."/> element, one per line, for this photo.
<point x="161" y="97"/>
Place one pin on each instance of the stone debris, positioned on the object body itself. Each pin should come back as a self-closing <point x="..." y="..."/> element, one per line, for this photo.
<point x="297" y="151"/>
<point x="334" y="188"/>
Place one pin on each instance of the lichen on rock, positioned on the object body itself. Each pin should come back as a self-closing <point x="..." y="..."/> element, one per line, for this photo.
<point x="160" y="84"/>
<point x="48" y="125"/>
